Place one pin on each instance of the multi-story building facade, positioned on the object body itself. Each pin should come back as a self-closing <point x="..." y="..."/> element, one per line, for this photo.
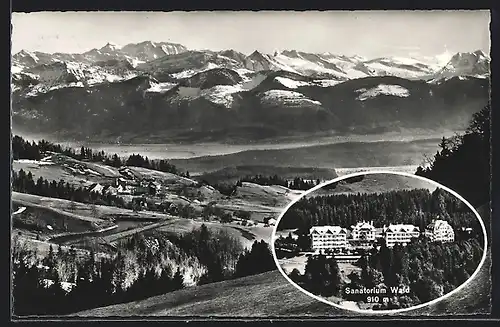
<point x="327" y="238"/>
<point x="363" y="231"/>
<point x="440" y="231"/>
<point x="400" y="233"/>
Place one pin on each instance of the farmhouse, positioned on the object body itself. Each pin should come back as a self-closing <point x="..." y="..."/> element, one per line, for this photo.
<point x="328" y="238"/>
<point x="110" y="189"/>
<point x="440" y="231"/>
<point x="124" y="190"/>
<point x="96" y="188"/>
<point x="401" y="234"/>
<point x="120" y="181"/>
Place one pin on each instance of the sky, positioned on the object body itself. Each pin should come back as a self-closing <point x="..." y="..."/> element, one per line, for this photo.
<point x="368" y="34"/>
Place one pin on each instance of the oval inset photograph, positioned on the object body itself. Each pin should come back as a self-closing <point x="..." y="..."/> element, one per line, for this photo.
<point x="379" y="242"/>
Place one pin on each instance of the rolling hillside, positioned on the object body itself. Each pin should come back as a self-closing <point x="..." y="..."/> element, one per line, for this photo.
<point x="270" y="295"/>
<point x="375" y="183"/>
<point x="377" y="153"/>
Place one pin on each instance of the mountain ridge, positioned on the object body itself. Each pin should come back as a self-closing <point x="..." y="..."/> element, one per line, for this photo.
<point x="197" y="92"/>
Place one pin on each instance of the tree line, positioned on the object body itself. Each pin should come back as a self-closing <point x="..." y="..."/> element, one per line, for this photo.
<point x="23" y="149"/>
<point x="230" y="189"/>
<point x="23" y="182"/>
<point x="418" y="273"/>
<point x="144" y="265"/>
<point x="96" y="282"/>
<point x="224" y="256"/>
<point x="417" y="207"/>
<point x="463" y="161"/>
<point x="297" y="183"/>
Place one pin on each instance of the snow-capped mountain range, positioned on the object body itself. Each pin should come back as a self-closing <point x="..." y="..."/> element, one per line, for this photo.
<point x="94" y="66"/>
<point x="205" y="84"/>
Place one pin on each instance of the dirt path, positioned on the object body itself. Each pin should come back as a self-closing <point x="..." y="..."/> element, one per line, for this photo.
<point x="114" y="237"/>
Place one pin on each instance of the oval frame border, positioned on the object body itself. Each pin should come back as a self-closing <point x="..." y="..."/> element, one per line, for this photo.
<point x="373" y="172"/>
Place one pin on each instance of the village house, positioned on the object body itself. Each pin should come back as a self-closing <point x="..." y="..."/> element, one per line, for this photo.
<point x="440" y="231"/>
<point x="269" y="221"/>
<point x="96" y="188"/>
<point x="120" y="181"/>
<point x="110" y="189"/>
<point x="127" y="172"/>
<point x="124" y="190"/>
<point x="153" y="188"/>
<point x="400" y="233"/>
<point x="325" y="238"/>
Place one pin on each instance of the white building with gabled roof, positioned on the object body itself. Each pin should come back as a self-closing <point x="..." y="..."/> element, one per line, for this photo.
<point x="363" y="231"/>
<point x="440" y="231"/>
<point x="328" y="238"/>
<point x="400" y="233"/>
<point x="96" y="188"/>
<point x="124" y="189"/>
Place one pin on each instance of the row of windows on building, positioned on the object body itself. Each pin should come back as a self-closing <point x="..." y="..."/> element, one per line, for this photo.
<point x="364" y="233"/>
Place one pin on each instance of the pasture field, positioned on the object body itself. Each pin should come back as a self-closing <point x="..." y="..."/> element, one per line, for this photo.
<point x="270" y="295"/>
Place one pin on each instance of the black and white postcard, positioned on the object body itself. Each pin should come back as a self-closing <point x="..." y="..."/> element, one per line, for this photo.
<point x="250" y="164"/>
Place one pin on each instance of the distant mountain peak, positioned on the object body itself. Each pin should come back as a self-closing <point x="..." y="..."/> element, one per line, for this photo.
<point x="481" y="53"/>
<point x="467" y="58"/>
<point x="256" y="53"/>
<point x="462" y="64"/>
<point x="110" y="47"/>
<point x="290" y="53"/>
<point x="25" y="53"/>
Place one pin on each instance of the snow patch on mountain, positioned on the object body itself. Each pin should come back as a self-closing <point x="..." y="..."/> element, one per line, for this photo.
<point x="245" y="74"/>
<point x="221" y="94"/>
<point x="383" y="89"/>
<point x="160" y="87"/>
<point x="48" y="77"/>
<point x="44" y="88"/>
<point x="351" y="69"/>
<point x="290" y="83"/>
<point x="304" y="66"/>
<point x="14" y="87"/>
<point x="134" y="62"/>
<point x="406" y="61"/>
<point x="16" y="69"/>
<point x="191" y="72"/>
<point x="385" y="68"/>
<point x="287" y="97"/>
